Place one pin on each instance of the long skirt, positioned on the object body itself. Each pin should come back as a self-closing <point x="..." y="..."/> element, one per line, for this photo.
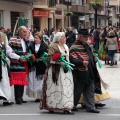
<point x="34" y="85"/>
<point x="57" y="96"/>
<point x="5" y="90"/>
<point x="103" y="55"/>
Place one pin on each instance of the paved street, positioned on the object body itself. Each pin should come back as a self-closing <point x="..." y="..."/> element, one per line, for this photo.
<point x="31" y="111"/>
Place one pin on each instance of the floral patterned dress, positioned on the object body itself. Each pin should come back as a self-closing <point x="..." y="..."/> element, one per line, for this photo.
<point x="59" y="96"/>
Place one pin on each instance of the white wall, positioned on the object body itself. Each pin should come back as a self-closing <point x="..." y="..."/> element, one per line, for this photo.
<point x="9" y="6"/>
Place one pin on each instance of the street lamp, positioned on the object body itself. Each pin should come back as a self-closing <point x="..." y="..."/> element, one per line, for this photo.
<point x="68" y="3"/>
<point x="96" y="4"/>
<point x="108" y="11"/>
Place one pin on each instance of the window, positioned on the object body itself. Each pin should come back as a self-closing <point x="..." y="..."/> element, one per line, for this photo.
<point x="1" y="18"/>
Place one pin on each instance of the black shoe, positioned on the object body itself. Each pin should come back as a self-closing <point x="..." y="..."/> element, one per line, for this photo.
<point x="75" y="109"/>
<point x="99" y="105"/>
<point x="37" y="100"/>
<point x="93" y="111"/>
<point x="24" y="101"/>
<point x="7" y="103"/>
<point x="115" y="63"/>
<point x="19" y="102"/>
<point x="51" y="111"/>
<point x="83" y="106"/>
<point x="68" y="112"/>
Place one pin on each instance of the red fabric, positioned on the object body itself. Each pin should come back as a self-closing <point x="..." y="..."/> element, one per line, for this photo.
<point x="18" y="78"/>
<point x="92" y="40"/>
<point x="26" y="68"/>
<point x="119" y="43"/>
<point x="56" y="57"/>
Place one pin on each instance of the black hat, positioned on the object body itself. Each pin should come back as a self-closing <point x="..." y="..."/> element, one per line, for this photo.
<point x="83" y="32"/>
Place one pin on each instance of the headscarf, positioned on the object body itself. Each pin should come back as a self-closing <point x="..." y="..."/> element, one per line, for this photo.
<point x="58" y="36"/>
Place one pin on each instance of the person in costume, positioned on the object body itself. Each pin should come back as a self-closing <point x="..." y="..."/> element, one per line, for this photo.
<point x="98" y="98"/>
<point x="19" y="68"/>
<point x="57" y="93"/>
<point x="103" y="55"/>
<point x="37" y="70"/>
<point x="85" y="72"/>
<point x="5" y="90"/>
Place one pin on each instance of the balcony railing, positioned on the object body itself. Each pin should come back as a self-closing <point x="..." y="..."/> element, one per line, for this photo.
<point x="21" y="1"/>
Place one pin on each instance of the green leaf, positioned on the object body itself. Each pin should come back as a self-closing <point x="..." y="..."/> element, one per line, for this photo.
<point x="94" y="2"/>
<point x="69" y="13"/>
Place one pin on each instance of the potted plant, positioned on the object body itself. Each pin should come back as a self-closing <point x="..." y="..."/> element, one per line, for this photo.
<point x="69" y="13"/>
<point x="96" y="4"/>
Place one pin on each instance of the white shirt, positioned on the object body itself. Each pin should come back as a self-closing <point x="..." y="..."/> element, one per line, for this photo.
<point x="37" y="46"/>
<point x="23" y="45"/>
<point x="9" y="51"/>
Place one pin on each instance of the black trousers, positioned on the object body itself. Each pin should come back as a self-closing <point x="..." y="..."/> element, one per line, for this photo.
<point x="18" y="92"/>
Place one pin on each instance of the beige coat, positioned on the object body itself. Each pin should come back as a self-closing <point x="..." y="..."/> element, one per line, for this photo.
<point x="112" y="44"/>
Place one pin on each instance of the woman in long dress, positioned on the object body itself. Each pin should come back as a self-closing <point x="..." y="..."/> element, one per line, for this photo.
<point x="57" y="91"/>
<point x="103" y="55"/>
<point x="37" y="70"/>
<point x="5" y="90"/>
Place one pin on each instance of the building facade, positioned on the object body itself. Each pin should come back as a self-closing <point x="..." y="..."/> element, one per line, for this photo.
<point x="50" y="14"/>
<point x="84" y="14"/>
<point x="115" y="12"/>
<point x="11" y="11"/>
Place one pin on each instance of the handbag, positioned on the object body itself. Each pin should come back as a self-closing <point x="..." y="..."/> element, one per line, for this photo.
<point x="116" y="57"/>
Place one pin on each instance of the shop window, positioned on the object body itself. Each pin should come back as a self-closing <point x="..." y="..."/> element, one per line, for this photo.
<point x="1" y="18"/>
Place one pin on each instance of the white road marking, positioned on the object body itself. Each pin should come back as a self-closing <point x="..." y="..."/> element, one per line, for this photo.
<point x="22" y="114"/>
<point x="116" y="115"/>
<point x="109" y="114"/>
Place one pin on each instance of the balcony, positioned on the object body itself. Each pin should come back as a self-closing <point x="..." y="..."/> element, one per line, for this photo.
<point x="114" y="2"/>
<point x="86" y="8"/>
<point x="20" y="1"/>
<point x="78" y="8"/>
<point x="41" y="4"/>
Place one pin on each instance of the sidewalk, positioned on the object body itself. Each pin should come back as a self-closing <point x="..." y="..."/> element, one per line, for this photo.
<point x="111" y="75"/>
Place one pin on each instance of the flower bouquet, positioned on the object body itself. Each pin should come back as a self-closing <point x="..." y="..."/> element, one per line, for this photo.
<point x="3" y="57"/>
<point x="42" y="58"/>
<point x="57" y="57"/>
<point x="29" y="57"/>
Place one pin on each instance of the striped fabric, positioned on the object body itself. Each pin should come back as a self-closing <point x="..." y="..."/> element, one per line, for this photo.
<point x="77" y="51"/>
<point x="19" y="70"/>
<point x="80" y="73"/>
<point x="17" y="47"/>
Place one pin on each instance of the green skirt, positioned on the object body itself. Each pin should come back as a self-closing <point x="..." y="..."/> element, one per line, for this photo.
<point x="103" y="55"/>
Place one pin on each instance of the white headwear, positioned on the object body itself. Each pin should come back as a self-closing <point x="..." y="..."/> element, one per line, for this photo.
<point x="58" y="36"/>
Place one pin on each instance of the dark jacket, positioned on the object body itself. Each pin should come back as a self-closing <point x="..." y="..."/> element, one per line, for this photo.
<point x="71" y="37"/>
<point x="39" y="65"/>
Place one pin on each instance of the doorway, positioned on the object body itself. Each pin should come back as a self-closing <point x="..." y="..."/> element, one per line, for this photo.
<point x="14" y="16"/>
<point x="36" y="23"/>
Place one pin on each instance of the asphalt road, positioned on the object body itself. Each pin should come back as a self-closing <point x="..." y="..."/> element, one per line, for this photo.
<point x="30" y="110"/>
